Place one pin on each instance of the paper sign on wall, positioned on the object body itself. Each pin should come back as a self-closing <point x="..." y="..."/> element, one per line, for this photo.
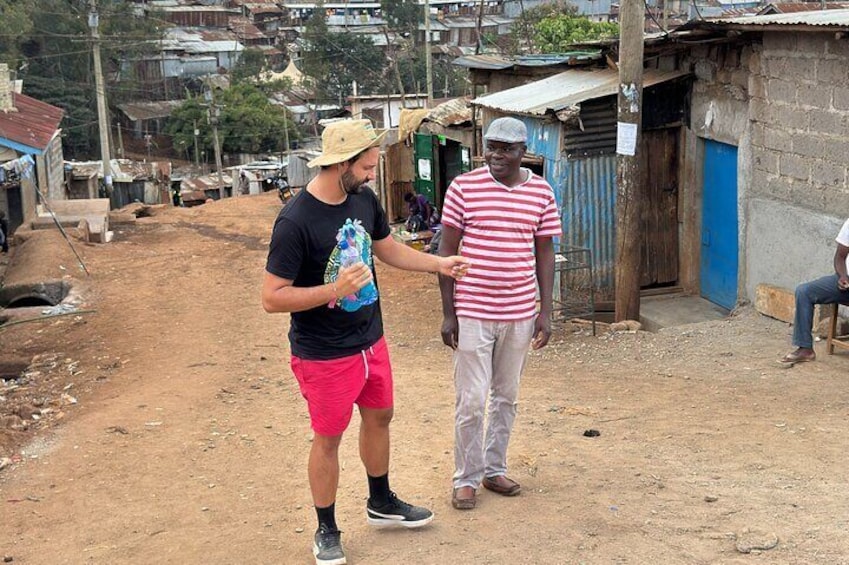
<point x="626" y="138"/>
<point x="424" y="169"/>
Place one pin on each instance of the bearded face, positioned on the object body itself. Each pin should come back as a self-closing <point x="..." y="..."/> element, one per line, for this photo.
<point x="351" y="183"/>
<point x="360" y="171"/>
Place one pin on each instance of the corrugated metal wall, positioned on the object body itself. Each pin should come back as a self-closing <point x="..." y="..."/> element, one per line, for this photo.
<point x="585" y="190"/>
<point x="588" y="212"/>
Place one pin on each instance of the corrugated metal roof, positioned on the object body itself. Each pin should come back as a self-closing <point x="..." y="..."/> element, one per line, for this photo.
<point x="123" y="170"/>
<point x="483" y="62"/>
<point x="33" y="125"/>
<point x="564" y="90"/>
<point x="207" y="182"/>
<point x="820" y="18"/>
<point x="450" y="113"/>
<point x="788" y="7"/>
<point x="258" y="8"/>
<point x="149" y="110"/>
<point x="496" y="62"/>
<point x="557" y="59"/>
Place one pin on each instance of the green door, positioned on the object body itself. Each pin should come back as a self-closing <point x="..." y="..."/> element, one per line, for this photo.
<point x="423" y="155"/>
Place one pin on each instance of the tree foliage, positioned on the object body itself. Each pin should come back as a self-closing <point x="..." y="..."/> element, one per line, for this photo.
<point x="14" y="21"/>
<point x="55" y="58"/>
<point x="333" y="61"/>
<point x="557" y="34"/>
<point x="553" y="27"/>
<point x="403" y="17"/>
<point x="247" y="123"/>
<point x="249" y="66"/>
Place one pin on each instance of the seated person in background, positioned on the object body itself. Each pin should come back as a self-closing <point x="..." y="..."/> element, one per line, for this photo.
<point x="422" y="214"/>
<point x="830" y="289"/>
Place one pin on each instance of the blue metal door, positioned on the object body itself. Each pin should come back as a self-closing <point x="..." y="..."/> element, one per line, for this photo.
<point x="719" y="225"/>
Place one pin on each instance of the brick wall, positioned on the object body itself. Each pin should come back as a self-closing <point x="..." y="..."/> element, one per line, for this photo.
<point x="799" y="119"/>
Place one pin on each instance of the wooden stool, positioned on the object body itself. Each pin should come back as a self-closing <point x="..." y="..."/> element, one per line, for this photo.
<point x="834" y="341"/>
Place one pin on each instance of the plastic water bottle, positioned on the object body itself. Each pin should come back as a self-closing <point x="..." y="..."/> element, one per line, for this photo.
<point x="350" y="255"/>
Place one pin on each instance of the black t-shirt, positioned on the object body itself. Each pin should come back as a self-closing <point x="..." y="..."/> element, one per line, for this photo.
<point x="309" y="242"/>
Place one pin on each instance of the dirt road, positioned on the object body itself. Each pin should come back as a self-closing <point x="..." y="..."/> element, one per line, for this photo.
<point x="171" y="430"/>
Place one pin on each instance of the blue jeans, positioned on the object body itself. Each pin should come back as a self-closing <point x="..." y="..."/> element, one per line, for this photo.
<point x="824" y="290"/>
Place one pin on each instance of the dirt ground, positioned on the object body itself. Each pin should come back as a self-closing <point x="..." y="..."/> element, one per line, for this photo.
<point x="160" y="424"/>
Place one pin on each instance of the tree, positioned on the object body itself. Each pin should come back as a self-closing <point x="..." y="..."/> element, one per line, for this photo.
<point x="14" y="22"/>
<point x="444" y="73"/>
<point x="333" y="61"/>
<point x="248" y="122"/>
<point x="403" y="17"/>
<point x="57" y="66"/>
<point x="557" y="34"/>
<point x="249" y="66"/>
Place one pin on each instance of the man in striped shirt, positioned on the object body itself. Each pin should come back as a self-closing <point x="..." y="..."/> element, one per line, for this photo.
<point x="505" y="218"/>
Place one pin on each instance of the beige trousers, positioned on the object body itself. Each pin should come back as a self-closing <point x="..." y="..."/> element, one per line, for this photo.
<point x="488" y="364"/>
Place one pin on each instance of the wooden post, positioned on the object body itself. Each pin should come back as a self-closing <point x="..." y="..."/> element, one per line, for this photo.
<point x="629" y="190"/>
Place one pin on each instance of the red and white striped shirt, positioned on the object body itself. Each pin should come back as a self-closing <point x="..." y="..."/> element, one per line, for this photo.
<point x="499" y="224"/>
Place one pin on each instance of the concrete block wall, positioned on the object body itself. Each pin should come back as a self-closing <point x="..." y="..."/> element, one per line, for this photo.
<point x="784" y="103"/>
<point x="799" y="115"/>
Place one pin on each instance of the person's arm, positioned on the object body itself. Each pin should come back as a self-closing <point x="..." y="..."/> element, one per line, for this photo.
<point x="544" y="247"/>
<point x="449" y="244"/>
<point x="280" y="295"/>
<point x="400" y="256"/>
<point x="840" y="266"/>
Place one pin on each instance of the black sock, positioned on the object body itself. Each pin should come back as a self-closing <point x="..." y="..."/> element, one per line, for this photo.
<point x="327" y="518"/>
<point x="378" y="489"/>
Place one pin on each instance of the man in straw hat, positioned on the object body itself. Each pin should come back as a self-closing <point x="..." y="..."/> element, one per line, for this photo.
<point x="506" y="217"/>
<point x="320" y="269"/>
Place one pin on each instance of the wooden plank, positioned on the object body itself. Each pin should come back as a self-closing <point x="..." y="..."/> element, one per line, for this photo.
<point x="775" y="302"/>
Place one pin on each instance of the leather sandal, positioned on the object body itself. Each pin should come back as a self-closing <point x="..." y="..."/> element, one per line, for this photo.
<point x="463" y="502"/>
<point x="502" y="485"/>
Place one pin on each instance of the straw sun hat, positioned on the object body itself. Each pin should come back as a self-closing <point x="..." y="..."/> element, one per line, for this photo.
<point x="342" y="140"/>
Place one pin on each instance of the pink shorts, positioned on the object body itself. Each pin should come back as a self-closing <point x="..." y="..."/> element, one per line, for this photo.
<point x="331" y="387"/>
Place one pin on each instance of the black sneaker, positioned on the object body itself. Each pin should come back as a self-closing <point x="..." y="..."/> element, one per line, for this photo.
<point x="396" y="512"/>
<point x="327" y="547"/>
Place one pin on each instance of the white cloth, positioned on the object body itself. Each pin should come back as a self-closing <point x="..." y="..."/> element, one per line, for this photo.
<point x="843" y="239"/>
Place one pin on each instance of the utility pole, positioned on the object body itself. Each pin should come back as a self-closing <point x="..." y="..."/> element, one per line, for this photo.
<point x="286" y="132"/>
<point x="100" y="92"/>
<point x="428" y="56"/>
<point x="196" y="132"/>
<point x="213" y="112"/>
<point x="479" y="45"/>
<point x="394" y="54"/>
<point x="629" y="189"/>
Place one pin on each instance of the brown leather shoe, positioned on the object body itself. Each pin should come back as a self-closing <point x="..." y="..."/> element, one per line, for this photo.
<point x="502" y="485"/>
<point x="463" y="498"/>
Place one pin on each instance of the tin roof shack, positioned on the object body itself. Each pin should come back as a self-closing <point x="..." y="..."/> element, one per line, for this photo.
<point x="183" y="53"/>
<point x="30" y="152"/>
<point x="257" y="177"/>
<point x="196" y="191"/>
<point x="384" y="111"/>
<point x="186" y="15"/>
<point x="440" y="149"/>
<point x="492" y="73"/>
<point x="132" y="181"/>
<point x="770" y="126"/>
<point x="147" y="118"/>
<point x="571" y="121"/>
